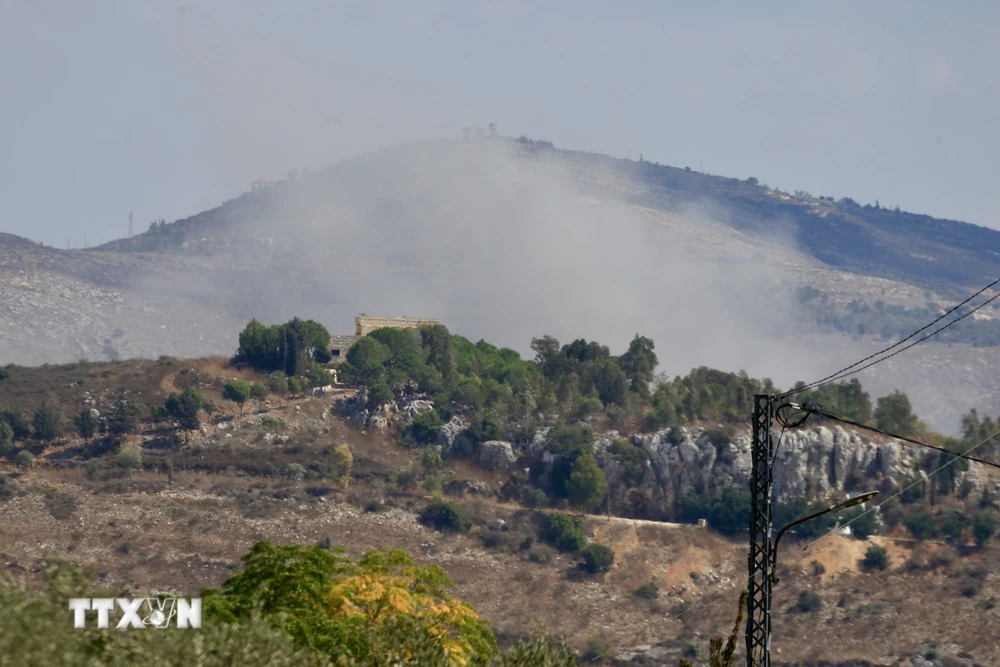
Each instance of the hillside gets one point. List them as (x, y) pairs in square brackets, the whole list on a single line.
[(527, 240), (197, 503)]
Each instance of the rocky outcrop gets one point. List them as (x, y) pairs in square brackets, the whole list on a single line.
[(496, 455), (453, 439), (819, 460)]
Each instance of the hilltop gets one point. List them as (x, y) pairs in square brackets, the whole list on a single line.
[(525, 239)]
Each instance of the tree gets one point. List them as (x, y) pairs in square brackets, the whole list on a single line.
[(258, 392), (639, 364), (437, 345), (184, 407), (20, 425), (236, 391), (278, 384), (586, 487), (123, 418), (983, 528), (289, 347), (6, 437), (379, 394), (863, 523), (610, 382), (86, 425), (48, 422), (921, 525), (342, 462), (382, 609), (893, 413)]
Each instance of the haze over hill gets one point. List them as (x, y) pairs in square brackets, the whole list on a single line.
[(507, 240)]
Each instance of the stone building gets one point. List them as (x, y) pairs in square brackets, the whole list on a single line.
[(365, 324)]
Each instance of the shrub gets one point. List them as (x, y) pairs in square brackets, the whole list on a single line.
[(445, 516), (632, 459), (647, 591), (564, 532), (864, 523), (24, 459), (809, 601), (953, 530), (535, 498), (598, 558), (921, 525), (983, 527), (541, 554), (129, 459), (7, 488), (726, 510), (293, 471), (876, 558), (425, 427), (720, 436), (598, 650), (405, 478)]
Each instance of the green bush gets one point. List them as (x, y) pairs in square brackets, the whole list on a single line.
[(597, 558), (564, 532), (864, 523), (535, 498), (983, 527), (647, 591), (425, 427), (24, 459), (922, 526), (726, 511), (445, 516), (876, 558)]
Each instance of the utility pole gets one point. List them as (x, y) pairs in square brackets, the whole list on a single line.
[(759, 557)]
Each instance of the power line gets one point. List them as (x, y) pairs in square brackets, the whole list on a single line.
[(905, 489), (836, 376), (851, 422)]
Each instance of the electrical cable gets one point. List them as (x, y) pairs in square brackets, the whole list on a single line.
[(838, 374), (904, 489)]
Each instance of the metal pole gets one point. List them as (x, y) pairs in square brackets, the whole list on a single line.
[(759, 557)]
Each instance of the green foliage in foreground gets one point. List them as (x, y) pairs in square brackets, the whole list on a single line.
[(289, 606)]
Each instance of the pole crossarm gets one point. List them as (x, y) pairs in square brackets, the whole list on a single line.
[(758, 633)]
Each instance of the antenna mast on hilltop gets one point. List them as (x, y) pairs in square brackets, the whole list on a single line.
[(130, 224)]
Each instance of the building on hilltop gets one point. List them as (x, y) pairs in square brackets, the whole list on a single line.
[(365, 324), (473, 133)]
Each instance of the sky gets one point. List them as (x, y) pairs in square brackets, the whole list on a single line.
[(170, 108)]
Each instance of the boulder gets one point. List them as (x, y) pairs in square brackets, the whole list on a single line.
[(496, 455)]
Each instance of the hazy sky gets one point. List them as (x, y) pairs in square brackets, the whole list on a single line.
[(169, 108)]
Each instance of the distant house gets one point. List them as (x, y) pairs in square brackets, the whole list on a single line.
[(339, 345), (365, 324)]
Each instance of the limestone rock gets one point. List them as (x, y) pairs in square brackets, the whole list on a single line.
[(496, 455)]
